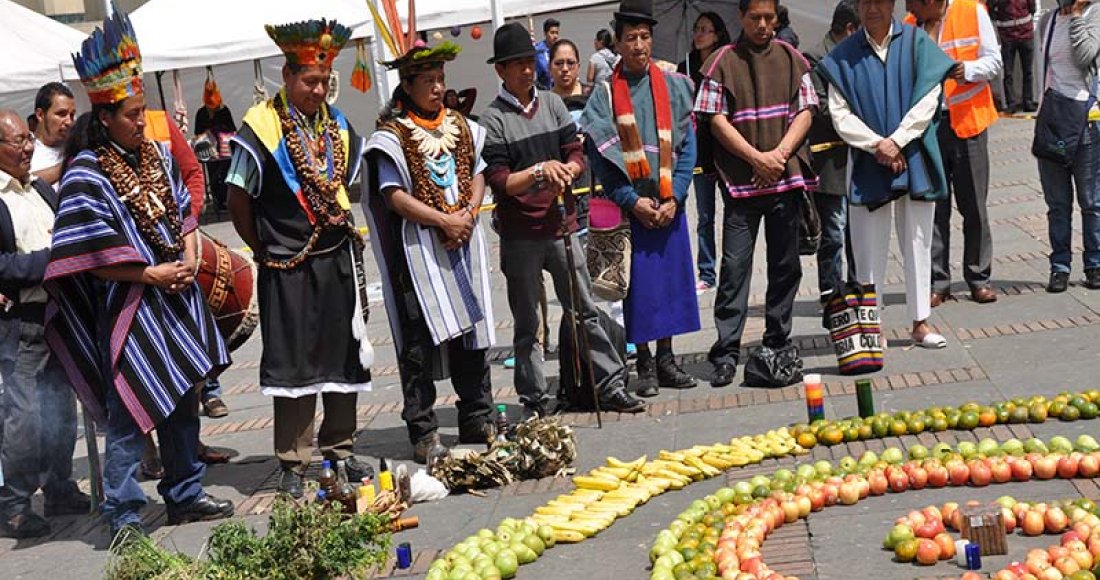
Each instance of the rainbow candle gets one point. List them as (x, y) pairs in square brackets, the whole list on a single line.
[(815, 397)]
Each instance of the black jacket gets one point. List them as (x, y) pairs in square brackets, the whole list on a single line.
[(19, 271)]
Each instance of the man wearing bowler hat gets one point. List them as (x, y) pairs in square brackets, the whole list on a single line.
[(533, 156)]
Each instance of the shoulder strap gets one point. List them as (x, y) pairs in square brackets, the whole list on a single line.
[(1050, 40)]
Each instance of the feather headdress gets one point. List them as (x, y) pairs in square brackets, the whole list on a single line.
[(109, 61), (310, 43), (412, 53)]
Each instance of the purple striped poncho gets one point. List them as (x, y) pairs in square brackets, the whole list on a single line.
[(150, 345)]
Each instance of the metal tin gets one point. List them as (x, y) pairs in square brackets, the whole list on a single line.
[(404, 555), (973, 557), (865, 398)]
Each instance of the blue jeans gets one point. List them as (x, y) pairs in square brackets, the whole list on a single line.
[(835, 247), (1059, 185), (704, 185), (179, 438), (211, 389)]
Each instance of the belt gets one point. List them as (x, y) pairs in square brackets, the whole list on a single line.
[(1012, 23), (822, 147), (30, 312)]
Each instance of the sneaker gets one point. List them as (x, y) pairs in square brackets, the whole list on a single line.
[(215, 408), (1059, 282), (290, 483), (1092, 278), (510, 362), (703, 286)]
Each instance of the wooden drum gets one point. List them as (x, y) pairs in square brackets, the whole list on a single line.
[(227, 279)]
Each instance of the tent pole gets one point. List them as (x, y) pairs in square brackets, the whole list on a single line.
[(496, 8), (160, 90)]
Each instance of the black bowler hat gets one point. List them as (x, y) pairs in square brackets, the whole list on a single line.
[(511, 41), (635, 12)]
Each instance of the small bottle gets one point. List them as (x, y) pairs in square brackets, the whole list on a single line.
[(504, 429), (385, 478), (321, 497), (865, 398), (365, 498), (346, 489), (327, 479)]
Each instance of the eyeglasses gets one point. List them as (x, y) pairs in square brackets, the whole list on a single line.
[(564, 63), (19, 143)]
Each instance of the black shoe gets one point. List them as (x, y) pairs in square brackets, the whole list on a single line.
[(532, 411), (723, 375), (290, 483), (205, 509), (1092, 278), (69, 502), (671, 376), (126, 535), (647, 390), (1059, 282), (621, 401), (477, 433), (1030, 107), (25, 524), (1012, 108), (357, 470), (428, 448)]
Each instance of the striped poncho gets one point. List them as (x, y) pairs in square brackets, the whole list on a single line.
[(150, 345)]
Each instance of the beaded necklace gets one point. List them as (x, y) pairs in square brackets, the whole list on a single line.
[(320, 164), (438, 157), (147, 195)]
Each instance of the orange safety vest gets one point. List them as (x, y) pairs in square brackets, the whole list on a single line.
[(156, 127), (970, 105)]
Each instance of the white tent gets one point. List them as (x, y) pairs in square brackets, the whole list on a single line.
[(34, 46)]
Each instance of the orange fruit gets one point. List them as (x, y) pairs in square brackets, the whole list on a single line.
[(987, 417)]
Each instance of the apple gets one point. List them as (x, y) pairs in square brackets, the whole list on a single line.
[(1083, 558), (831, 492), (790, 511), (1046, 467), (937, 476), (1055, 520), (928, 552), (980, 474), (947, 545), (899, 482), (927, 531), (805, 505), (1021, 470), (1032, 524), (1056, 552), (849, 493), (1009, 519), (817, 499), (1066, 565), (898, 534), (1067, 467), (958, 472), (1001, 471), (1089, 466), (877, 482)]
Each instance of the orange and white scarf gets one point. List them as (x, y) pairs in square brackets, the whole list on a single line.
[(634, 156)]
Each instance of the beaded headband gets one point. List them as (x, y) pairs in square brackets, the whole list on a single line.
[(310, 43), (109, 62)]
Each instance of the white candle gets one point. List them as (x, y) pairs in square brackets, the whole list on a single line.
[(960, 552)]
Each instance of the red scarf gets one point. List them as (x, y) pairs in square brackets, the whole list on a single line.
[(637, 165)]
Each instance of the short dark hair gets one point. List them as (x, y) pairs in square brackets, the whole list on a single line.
[(621, 25), (605, 38), (844, 15), (550, 23), (744, 5), (44, 98)]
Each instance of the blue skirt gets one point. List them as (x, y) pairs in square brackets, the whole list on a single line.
[(661, 301)]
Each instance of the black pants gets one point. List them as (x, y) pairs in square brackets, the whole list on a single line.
[(38, 408), (1026, 51), (415, 359), (741, 222), (966, 162)]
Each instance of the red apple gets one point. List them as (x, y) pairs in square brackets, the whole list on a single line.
[(1066, 565), (1055, 520), (1001, 472), (817, 499), (831, 492), (1056, 552), (849, 493), (1032, 524), (899, 482), (1083, 557), (947, 545), (928, 552), (1067, 467), (877, 482), (1021, 470), (937, 476), (918, 478), (1089, 466), (980, 474), (1009, 518), (1045, 467), (958, 472)]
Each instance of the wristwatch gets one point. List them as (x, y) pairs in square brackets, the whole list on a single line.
[(539, 175)]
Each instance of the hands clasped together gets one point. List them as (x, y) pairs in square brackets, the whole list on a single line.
[(654, 213), (172, 277), (888, 154)]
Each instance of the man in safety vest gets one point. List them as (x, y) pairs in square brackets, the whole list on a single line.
[(964, 31)]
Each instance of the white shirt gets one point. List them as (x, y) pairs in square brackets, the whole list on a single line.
[(1064, 75), (857, 134), (989, 63), (32, 220), (46, 157)]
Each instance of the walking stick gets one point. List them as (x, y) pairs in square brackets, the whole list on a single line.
[(579, 328), (95, 475)]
